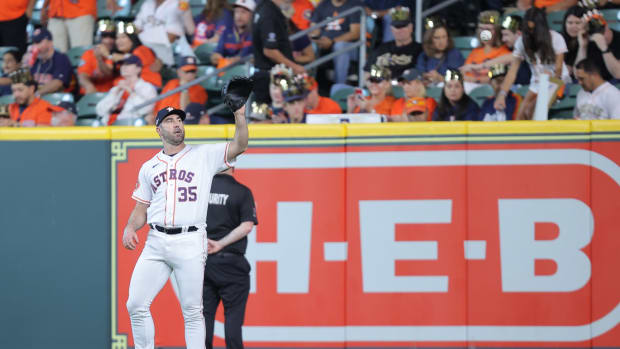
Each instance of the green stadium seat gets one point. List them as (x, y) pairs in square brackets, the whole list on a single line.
[(465, 44), (86, 106), (211, 84), (4, 49), (613, 18), (6, 99), (556, 20), (397, 91), (75, 54), (481, 93), (522, 90), (563, 108), (340, 96), (434, 92), (204, 51), (86, 122), (58, 97)]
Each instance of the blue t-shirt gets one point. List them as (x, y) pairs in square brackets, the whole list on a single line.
[(339, 26), (471, 113), (205, 29), (524, 75), (58, 67), (452, 60), (234, 44), (488, 109)]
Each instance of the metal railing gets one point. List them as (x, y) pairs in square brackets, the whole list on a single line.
[(361, 44)]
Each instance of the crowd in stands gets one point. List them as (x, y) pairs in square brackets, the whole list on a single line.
[(64, 62)]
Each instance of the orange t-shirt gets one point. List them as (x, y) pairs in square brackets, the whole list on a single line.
[(384, 107), (72, 8), (12, 9), (478, 56), (90, 67), (38, 113), (303, 12), (325, 106), (147, 57), (400, 106), (545, 3), (197, 94)]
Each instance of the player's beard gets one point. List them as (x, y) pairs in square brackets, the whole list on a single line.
[(176, 137)]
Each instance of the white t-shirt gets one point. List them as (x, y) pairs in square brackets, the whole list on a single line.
[(177, 188), (602, 103), (537, 68), (168, 15)]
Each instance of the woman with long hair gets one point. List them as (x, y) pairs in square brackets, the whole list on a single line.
[(573, 23), (212, 21), (439, 53), (455, 104), (128, 43), (543, 49)]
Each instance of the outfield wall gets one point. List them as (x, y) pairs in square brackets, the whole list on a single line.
[(421, 234)]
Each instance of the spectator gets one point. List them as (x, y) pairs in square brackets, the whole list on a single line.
[(415, 106), (573, 24), (380, 10), (196, 113), (271, 46), (602, 44), (279, 77), (14, 16), (491, 46), (380, 100), (10, 63), (71, 22), (455, 105), (128, 93), (550, 5), (28, 110), (127, 44), (401, 53), (316, 104), (294, 94), (161, 23), (211, 22), (543, 49), (439, 53), (187, 72), (338, 34), (66, 116), (299, 12), (488, 112), (598, 99), (96, 70), (52, 69), (236, 41), (5, 116)]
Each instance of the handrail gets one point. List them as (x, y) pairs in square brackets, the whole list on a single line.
[(361, 44), (419, 14)]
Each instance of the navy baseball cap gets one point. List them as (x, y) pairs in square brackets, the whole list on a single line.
[(410, 75), (187, 63), (68, 106), (40, 34), (162, 114), (133, 59), (194, 112)]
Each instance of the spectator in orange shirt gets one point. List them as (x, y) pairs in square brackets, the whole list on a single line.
[(299, 12), (127, 44), (415, 106), (380, 100), (195, 94), (71, 22), (551, 5), (28, 110), (491, 46), (316, 104), (96, 70), (14, 16)]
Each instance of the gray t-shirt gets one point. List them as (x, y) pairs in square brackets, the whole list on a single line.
[(339, 26)]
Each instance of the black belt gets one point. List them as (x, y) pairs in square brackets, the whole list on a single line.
[(225, 254), (172, 231)]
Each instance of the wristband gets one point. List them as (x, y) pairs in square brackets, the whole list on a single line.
[(503, 93), (606, 51)]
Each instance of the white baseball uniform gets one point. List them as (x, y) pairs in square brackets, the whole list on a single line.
[(176, 188)]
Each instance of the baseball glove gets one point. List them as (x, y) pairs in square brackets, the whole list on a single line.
[(237, 91)]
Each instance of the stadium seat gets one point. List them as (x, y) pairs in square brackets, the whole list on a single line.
[(434, 92), (196, 6), (87, 104), (465, 44), (135, 8), (397, 91), (58, 97), (130, 122), (556, 20), (211, 83), (204, 51), (6, 99), (4, 49), (340, 96), (522, 90), (563, 108), (481, 93), (613, 18), (75, 54), (86, 122)]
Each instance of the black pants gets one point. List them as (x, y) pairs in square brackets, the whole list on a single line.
[(261, 87), (13, 33), (227, 278)]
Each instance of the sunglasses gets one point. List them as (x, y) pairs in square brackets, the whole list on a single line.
[(191, 71), (375, 80)]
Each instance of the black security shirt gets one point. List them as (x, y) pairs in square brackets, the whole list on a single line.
[(269, 31), (230, 204)]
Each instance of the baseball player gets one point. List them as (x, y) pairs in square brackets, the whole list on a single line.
[(172, 196)]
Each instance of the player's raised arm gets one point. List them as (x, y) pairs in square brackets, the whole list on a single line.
[(236, 94), (136, 220)]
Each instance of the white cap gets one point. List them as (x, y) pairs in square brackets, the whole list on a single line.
[(249, 4)]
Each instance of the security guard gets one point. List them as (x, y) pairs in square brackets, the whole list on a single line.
[(271, 46), (230, 218)]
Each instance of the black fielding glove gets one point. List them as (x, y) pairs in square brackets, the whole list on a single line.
[(237, 91)]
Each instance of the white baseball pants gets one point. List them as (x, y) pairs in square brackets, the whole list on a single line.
[(184, 253)]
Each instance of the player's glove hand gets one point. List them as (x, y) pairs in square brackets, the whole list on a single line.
[(237, 91)]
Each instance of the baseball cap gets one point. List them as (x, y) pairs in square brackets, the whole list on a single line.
[(410, 75), (247, 4), (187, 63), (162, 114), (68, 106), (40, 34), (133, 59), (416, 104), (401, 16), (194, 111), (379, 73)]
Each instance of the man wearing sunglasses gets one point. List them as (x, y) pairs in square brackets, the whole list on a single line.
[(195, 94)]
